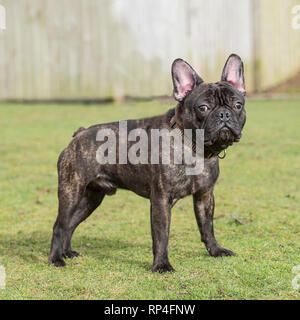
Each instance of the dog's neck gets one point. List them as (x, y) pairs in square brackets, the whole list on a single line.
[(177, 115), (176, 124)]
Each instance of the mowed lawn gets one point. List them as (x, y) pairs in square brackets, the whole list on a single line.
[(259, 185)]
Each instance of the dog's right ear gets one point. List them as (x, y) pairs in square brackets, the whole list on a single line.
[(185, 79)]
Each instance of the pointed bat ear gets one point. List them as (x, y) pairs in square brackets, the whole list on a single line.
[(233, 73), (185, 79)]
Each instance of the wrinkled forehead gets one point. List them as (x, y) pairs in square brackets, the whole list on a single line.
[(219, 93)]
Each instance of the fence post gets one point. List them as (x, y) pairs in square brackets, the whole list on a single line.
[(256, 44), (2, 18)]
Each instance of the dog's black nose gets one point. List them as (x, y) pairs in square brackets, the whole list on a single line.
[(224, 114)]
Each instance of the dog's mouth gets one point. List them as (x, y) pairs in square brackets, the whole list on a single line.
[(222, 138)]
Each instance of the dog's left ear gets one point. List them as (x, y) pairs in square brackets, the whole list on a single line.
[(233, 73), (185, 79)]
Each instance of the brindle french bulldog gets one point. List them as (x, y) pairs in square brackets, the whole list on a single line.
[(218, 108)]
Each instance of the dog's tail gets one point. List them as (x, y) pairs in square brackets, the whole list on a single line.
[(78, 131)]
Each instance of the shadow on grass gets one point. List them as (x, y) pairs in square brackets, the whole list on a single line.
[(34, 248)]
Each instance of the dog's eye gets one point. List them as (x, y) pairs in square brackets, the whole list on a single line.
[(203, 108), (237, 106)]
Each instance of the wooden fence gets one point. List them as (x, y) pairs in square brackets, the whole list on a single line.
[(97, 49)]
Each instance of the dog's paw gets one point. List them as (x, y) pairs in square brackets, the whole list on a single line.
[(71, 254), (220, 252), (57, 263), (162, 267)]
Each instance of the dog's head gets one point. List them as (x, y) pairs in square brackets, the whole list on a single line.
[(218, 108)]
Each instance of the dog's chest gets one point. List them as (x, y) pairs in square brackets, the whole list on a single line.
[(179, 184)]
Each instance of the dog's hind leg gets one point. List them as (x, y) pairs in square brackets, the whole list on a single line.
[(91, 199), (69, 196)]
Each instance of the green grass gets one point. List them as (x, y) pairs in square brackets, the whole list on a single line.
[(259, 184)]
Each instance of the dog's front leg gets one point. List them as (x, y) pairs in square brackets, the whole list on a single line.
[(204, 206), (160, 228)]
